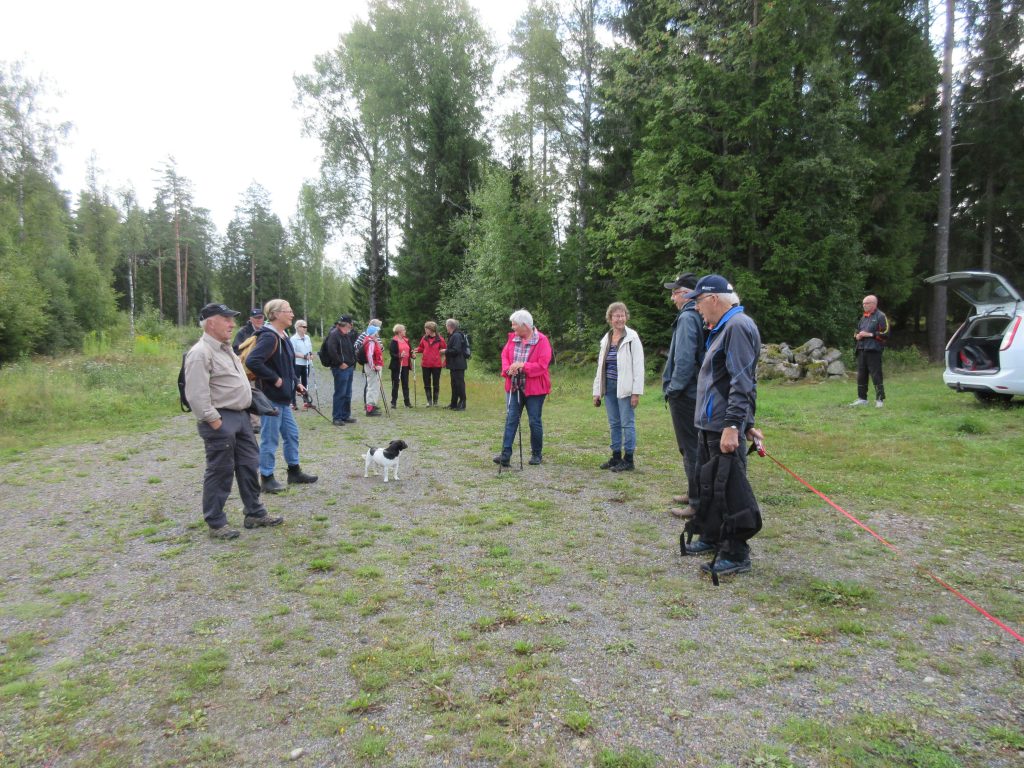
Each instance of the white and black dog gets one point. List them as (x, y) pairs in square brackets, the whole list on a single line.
[(385, 457)]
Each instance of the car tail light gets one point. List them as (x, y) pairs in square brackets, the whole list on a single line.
[(1009, 337)]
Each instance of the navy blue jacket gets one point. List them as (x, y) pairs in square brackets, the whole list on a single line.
[(270, 365), (727, 384), (685, 354)]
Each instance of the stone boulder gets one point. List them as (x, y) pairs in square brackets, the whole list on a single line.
[(812, 359)]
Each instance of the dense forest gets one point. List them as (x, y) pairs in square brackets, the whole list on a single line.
[(810, 151)]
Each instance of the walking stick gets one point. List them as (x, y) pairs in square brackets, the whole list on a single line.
[(383, 397), (519, 427), (415, 399)]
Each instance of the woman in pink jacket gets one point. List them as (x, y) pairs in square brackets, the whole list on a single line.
[(524, 364)]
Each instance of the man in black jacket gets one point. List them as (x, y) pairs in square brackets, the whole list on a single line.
[(455, 360), (871, 334), (256, 320), (342, 353), (273, 362)]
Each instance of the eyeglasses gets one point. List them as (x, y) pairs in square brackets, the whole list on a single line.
[(700, 298)]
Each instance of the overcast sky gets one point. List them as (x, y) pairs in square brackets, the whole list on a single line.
[(207, 82)]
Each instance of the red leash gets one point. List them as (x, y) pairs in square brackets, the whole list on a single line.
[(762, 452)]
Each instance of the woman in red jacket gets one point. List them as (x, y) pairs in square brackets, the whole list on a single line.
[(524, 364), (429, 349)]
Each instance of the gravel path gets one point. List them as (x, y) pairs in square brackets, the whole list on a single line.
[(458, 617)]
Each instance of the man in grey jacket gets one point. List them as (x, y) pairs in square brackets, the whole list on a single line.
[(219, 392), (726, 397), (679, 386)]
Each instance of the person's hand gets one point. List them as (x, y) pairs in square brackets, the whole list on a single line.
[(216, 424), (634, 401), (756, 437), (597, 401), (279, 382), (300, 389), (730, 440)]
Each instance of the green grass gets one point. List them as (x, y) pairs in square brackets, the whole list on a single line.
[(535, 619)]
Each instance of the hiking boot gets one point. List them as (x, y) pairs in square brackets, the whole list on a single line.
[(614, 461), (339, 422), (349, 421), (534, 460), (374, 411), (683, 513), (626, 465), (879, 403), (503, 460), (700, 547), (264, 521), (859, 401), (269, 485), (684, 499), (408, 404), (224, 533), (724, 567), (394, 403), (297, 476)]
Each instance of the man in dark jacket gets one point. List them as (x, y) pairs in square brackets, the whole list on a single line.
[(726, 398), (871, 335), (273, 362), (679, 385), (256, 320), (456, 361), (342, 354)]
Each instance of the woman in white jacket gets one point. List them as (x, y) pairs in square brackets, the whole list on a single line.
[(620, 381)]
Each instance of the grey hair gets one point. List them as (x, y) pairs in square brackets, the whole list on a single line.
[(730, 299), (521, 317), (452, 324), (202, 323)]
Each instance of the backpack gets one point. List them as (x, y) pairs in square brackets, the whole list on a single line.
[(360, 348), (245, 349), (728, 509), (325, 354), (185, 407), (467, 352)]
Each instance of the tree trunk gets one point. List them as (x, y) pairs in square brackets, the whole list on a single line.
[(937, 318), (131, 296), (160, 281), (986, 225), (177, 267)]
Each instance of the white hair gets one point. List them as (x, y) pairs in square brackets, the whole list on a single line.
[(521, 317), (202, 323), (730, 299)]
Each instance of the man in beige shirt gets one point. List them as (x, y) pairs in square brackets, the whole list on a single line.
[(219, 392)]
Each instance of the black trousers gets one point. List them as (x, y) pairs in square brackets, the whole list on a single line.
[(458, 388), (302, 373), (869, 362), (231, 453), (399, 376), (432, 383), (708, 447), (682, 408)]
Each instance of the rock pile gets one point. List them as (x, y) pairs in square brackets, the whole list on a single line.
[(810, 360)]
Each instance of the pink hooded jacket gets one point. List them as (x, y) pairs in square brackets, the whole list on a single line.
[(538, 378)]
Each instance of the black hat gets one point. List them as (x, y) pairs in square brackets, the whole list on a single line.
[(685, 280), (256, 312), (217, 309), (343, 320)]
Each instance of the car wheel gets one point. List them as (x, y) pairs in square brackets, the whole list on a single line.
[(992, 397)]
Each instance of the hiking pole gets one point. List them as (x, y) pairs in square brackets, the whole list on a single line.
[(508, 412), (519, 426), (383, 397), (415, 399)]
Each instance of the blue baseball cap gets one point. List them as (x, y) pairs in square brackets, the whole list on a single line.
[(256, 312), (710, 284)]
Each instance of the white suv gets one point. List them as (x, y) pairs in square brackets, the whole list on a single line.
[(986, 354)]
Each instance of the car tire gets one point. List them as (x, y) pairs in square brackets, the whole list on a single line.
[(992, 397)]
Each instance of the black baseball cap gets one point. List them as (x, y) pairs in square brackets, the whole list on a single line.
[(217, 309), (343, 320), (256, 312), (685, 280)]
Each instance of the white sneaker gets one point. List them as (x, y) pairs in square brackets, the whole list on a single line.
[(879, 403), (859, 401)]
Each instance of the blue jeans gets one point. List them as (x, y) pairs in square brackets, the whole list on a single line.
[(534, 405), (621, 419), (271, 429), (342, 405)]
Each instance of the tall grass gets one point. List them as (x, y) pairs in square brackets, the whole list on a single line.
[(115, 386)]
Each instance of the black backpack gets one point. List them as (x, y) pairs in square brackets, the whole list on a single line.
[(185, 407), (728, 509), (325, 354)]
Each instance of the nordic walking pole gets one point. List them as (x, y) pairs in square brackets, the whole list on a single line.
[(415, 399), (519, 426), (383, 397)]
